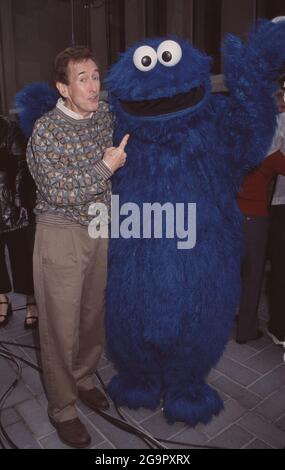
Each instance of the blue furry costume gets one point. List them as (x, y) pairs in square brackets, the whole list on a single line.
[(170, 311)]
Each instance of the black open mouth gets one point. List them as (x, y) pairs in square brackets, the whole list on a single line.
[(165, 105)]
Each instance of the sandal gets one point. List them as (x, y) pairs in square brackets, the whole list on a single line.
[(34, 319), (7, 314)]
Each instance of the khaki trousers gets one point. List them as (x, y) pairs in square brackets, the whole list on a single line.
[(70, 279)]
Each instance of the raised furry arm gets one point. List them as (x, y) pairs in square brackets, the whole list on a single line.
[(251, 73)]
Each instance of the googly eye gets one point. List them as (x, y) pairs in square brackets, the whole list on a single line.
[(145, 58), (169, 53)]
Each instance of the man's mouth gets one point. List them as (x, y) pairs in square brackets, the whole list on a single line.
[(167, 105)]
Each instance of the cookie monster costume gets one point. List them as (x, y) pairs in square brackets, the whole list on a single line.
[(170, 311)]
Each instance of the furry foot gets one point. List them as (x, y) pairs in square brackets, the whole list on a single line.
[(126, 391), (197, 405)]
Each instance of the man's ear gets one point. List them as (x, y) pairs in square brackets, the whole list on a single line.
[(62, 88)]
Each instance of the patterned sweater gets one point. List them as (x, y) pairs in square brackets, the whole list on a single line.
[(65, 159)]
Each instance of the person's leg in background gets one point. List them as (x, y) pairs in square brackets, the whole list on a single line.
[(31, 320), (276, 278), (21, 262), (256, 235), (5, 285)]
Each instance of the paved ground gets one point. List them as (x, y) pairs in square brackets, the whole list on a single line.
[(250, 378)]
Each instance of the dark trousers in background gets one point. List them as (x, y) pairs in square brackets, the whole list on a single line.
[(255, 236), (276, 279), (20, 249)]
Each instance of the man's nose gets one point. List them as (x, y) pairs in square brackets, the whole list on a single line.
[(94, 86)]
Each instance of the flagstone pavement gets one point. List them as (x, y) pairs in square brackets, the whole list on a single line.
[(250, 379)]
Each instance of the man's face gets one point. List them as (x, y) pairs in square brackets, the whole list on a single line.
[(82, 92)]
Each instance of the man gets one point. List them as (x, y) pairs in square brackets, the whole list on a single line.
[(71, 160)]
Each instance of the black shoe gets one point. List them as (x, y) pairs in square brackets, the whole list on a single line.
[(244, 341)]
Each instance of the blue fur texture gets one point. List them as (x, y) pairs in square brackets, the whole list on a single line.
[(169, 311), (33, 101)]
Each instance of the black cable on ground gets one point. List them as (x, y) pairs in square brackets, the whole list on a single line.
[(10, 343), (22, 307), (125, 426), (123, 418), (6, 355), (118, 411), (122, 423), (29, 363)]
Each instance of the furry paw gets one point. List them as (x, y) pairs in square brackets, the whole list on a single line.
[(198, 405), (134, 394)]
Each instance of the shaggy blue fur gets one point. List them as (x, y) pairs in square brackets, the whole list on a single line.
[(33, 101), (170, 311)]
